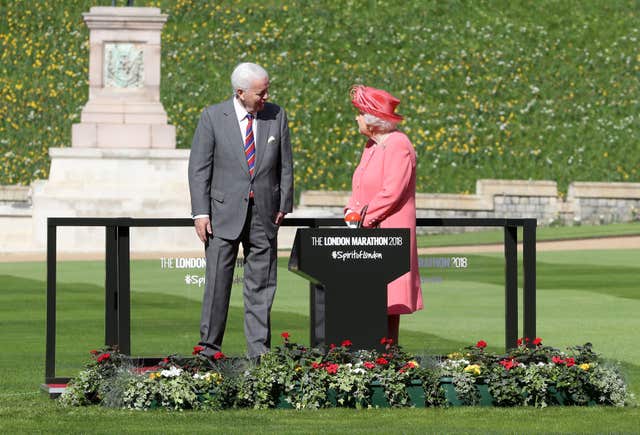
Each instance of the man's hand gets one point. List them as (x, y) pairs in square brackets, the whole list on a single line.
[(203, 228), (279, 218)]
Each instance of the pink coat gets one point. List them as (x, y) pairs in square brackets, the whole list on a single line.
[(385, 180)]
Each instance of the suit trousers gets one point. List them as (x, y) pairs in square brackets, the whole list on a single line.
[(260, 268)]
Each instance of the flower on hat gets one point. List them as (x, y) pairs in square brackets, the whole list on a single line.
[(375, 102)]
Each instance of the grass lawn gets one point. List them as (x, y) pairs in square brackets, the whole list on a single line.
[(582, 296)]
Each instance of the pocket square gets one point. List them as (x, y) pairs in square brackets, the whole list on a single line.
[(271, 139)]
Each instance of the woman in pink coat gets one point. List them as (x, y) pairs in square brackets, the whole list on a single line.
[(385, 182)]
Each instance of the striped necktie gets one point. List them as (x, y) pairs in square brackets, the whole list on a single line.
[(250, 145)]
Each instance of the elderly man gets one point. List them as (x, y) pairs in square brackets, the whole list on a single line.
[(241, 184)]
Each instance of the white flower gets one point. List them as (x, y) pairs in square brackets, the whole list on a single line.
[(171, 373), (205, 376)]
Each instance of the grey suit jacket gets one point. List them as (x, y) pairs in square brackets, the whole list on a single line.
[(219, 180)]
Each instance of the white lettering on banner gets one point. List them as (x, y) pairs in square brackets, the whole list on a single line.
[(372, 241), (200, 280), (356, 255), (359, 241), (444, 262), (337, 241), (189, 263), (194, 280), (182, 263)]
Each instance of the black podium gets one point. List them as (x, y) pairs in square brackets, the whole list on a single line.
[(349, 270)]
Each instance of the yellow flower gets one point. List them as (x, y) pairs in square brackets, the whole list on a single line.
[(585, 366), (455, 355), (473, 369)]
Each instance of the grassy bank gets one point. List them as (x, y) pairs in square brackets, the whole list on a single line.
[(540, 90)]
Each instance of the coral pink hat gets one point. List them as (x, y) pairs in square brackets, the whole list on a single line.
[(375, 102)]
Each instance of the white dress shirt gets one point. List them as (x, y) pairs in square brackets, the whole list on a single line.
[(241, 114)]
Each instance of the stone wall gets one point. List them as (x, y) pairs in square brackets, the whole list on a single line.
[(16, 229), (585, 203), (605, 202)]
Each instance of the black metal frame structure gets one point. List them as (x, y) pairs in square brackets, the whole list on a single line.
[(118, 284)]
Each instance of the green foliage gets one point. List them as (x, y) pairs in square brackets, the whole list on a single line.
[(542, 90), (92, 385), (291, 374), (294, 376), (533, 374)]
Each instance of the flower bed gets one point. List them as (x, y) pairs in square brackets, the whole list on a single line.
[(294, 376)]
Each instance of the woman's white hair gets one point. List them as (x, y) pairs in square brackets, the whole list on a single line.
[(245, 74), (380, 125)]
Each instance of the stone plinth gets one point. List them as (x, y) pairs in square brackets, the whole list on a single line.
[(138, 183), (124, 108)]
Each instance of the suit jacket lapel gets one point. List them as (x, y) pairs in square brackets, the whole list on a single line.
[(261, 140), (234, 136)]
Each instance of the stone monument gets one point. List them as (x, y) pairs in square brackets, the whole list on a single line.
[(124, 108), (123, 160)]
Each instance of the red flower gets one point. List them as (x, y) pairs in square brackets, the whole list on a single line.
[(537, 341), (509, 363), (346, 343), (285, 335), (103, 357), (369, 365), (382, 361), (387, 341), (519, 342), (408, 366), (197, 350), (557, 360), (481, 344), (570, 362), (219, 355), (332, 346), (527, 339), (94, 352), (166, 360), (317, 365), (332, 369)]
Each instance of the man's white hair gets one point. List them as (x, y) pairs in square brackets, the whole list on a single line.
[(245, 74), (381, 125)]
